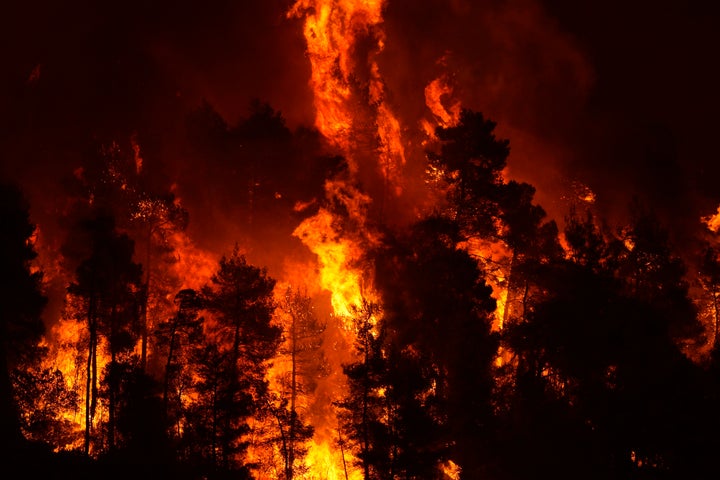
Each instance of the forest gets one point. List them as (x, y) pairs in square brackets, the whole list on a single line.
[(597, 362)]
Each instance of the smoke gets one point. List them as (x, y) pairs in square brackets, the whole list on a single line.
[(646, 130), (605, 96), (509, 60), (610, 96)]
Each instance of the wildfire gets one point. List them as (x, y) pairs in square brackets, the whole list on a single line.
[(333, 29), (712, 221), (437, 93), (344, 109), (331, 464), (336, 256), (192, 264), (340, 274), (494, 256)]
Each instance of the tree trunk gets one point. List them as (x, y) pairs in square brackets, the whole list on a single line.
[(168, 364), (90, 372), (293, 396), (511, 281), (365, 401), (286, 458), (112, 381), (146, 302)]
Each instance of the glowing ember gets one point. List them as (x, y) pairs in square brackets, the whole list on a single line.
[(712, 221)]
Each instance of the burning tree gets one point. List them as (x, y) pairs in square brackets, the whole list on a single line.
[(114, 179), (299, 366), (105, 296), (179, 336), (232, 365)]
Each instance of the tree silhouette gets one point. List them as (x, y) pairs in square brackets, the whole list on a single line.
[(597, 355), (470, 161), (240, 301), (157, 217), (363, 406), (21, 304), (655, 274), (107, 284), (302, 348), (438, 349), (179, 335)]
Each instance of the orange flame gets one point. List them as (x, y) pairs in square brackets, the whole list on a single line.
[(332, 30), (336, 256), (192, 264), (437, 92), (494, 259), (712, 222)]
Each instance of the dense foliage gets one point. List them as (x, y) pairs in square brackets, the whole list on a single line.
[(592, 374)]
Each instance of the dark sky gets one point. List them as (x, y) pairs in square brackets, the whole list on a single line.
[(652, 114), (621, 96)]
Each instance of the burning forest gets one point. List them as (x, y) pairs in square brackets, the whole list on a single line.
[(351, 240)]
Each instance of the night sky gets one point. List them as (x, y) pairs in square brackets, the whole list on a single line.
[(621, 96)]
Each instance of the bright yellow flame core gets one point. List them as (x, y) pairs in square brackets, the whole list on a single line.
[(328, 463), (336, 256), (65, 357)]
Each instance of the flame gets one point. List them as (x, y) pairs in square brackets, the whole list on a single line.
[(436, 92), (332, 30), (451, 471), (62, 340), (330, 464), (712, 222), (192, 265), (336, 256), (494, 259), (344, 108)]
